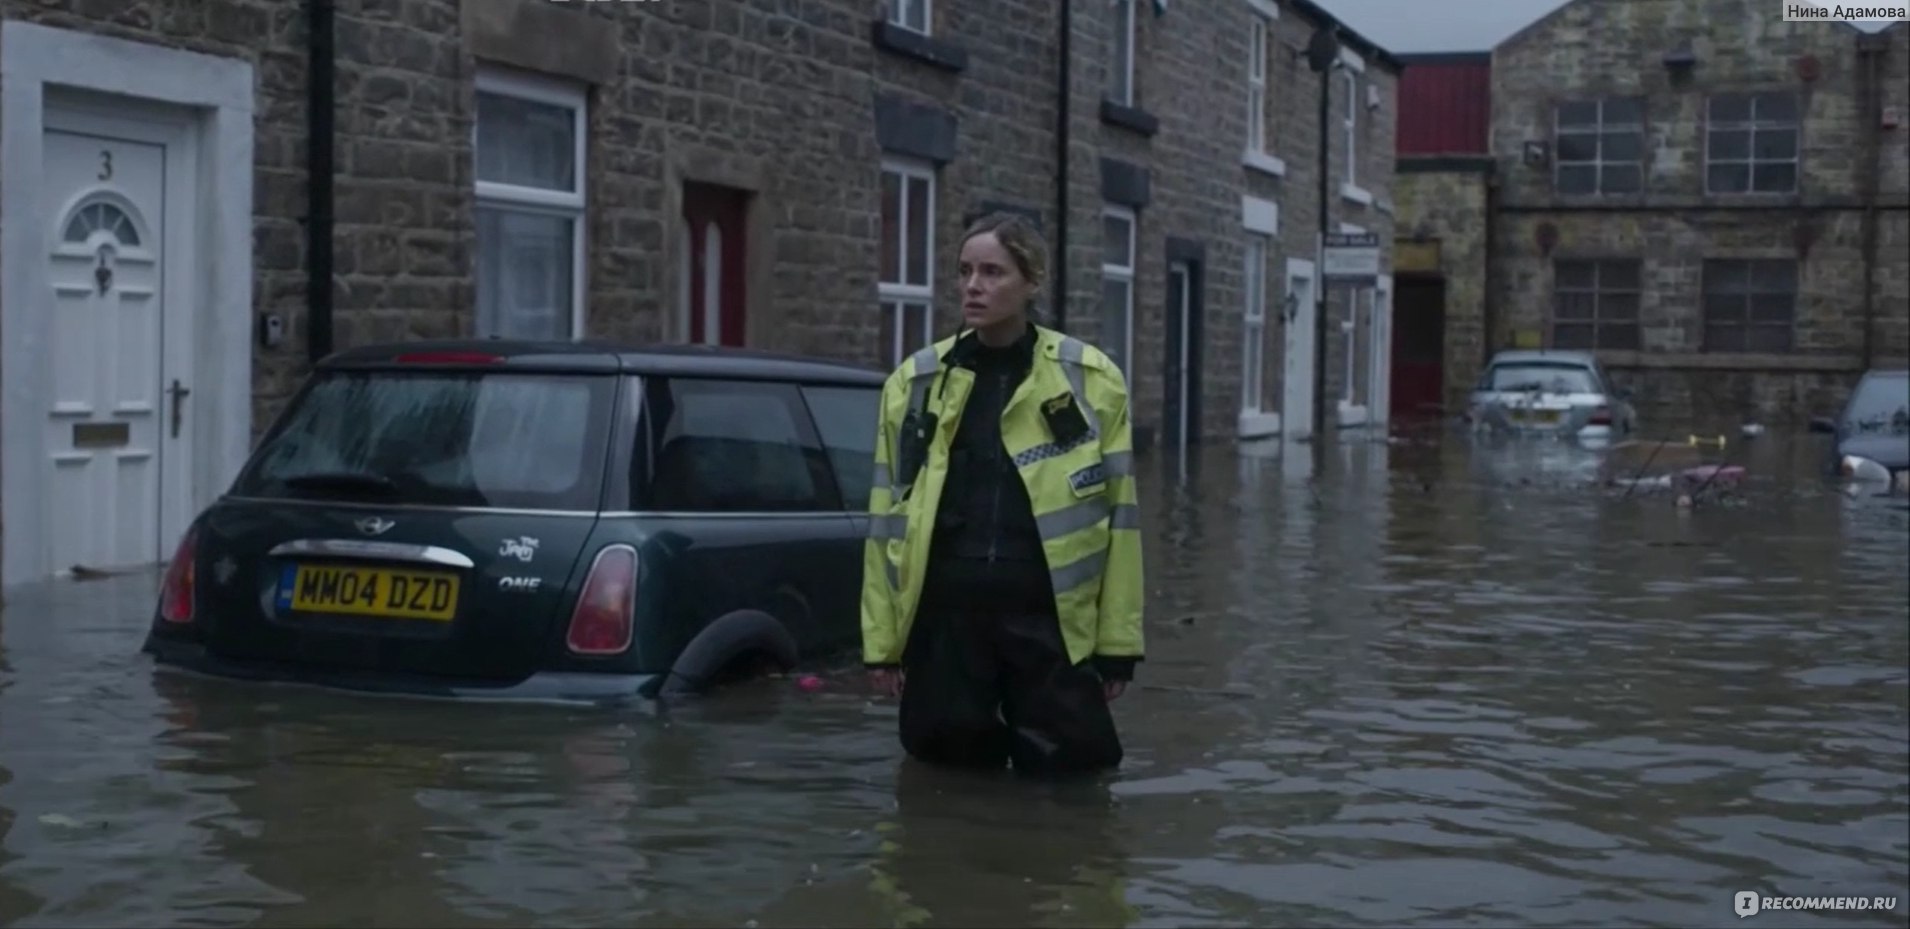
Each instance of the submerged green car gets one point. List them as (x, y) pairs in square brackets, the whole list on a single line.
[(536, 521)]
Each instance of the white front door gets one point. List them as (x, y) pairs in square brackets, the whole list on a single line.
[(1296, 380), (117, 395), (1379, 367)]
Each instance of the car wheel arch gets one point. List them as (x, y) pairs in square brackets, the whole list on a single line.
[(724, 641)]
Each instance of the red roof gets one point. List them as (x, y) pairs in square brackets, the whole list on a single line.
[(1445, 105)]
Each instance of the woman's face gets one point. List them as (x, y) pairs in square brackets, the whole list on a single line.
[(993, 287)]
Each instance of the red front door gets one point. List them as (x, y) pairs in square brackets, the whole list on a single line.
[(714, 219), (1419, 347)]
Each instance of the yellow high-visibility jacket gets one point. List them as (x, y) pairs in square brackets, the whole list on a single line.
[(1083, 494)]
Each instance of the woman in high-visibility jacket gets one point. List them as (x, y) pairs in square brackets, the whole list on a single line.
[(1001, 590)]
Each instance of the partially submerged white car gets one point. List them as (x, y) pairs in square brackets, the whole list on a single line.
[(1542, 391)]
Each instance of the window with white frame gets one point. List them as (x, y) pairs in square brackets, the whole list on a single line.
[(910, 14), (1351, 124), (1117, 285), (1750, 143), (1599, 146), (529, 141), (1257, 56), (1253, 328), (1121, 52), (907, 285)]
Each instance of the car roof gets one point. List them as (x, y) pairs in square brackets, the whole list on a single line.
[(1521, 355), (602, 356)]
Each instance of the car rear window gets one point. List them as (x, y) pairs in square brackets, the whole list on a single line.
[(1880, 403), (507, 440), (1545, 378)]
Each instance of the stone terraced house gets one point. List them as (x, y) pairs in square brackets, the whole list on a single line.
[(782, 174), (1714, 200)]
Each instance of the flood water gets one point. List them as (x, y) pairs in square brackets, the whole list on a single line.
[(1412, 685)]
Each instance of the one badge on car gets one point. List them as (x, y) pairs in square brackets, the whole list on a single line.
[(525, 585)]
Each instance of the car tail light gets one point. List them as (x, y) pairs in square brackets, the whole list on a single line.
[(448, 358), (602, 623), (176, 596), (1602, 416)]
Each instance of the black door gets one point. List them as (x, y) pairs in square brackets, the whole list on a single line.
[(1181, 417)]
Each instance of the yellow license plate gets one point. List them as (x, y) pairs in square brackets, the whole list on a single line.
[(1539, 416), (360, 591)]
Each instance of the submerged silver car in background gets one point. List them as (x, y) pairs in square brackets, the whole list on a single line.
[(1541, 391)]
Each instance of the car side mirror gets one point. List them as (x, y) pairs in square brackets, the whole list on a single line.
[(1822, 424)]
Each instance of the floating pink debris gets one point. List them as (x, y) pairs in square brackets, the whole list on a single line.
[(809, 683)]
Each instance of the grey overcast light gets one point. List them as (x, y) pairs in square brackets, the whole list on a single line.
[(1438, 25), (1410, 26)]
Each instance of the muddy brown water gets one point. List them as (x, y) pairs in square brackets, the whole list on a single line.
[(1436, 685)]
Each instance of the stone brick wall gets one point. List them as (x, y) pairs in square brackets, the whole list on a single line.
[(1673, 224), (781, 98), (1446, 205)]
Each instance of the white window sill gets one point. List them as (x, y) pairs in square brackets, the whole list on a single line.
[(1352, 414), (1258, 425), (1384, 206), (1264, 163), (1357, 194)]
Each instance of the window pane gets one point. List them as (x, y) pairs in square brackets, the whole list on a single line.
[(1774, 276), (1577, 146), (1623, 111), (889, 321), (1574, 275), (1618, 275), (1775, 108), (845, 418), (1116, 240), (915, 14), (1620, 179), (1723, 337), (526, 143), (1253, 286), (1114, 320), (524, 285), (1726, 179), (1730, 144), (919, 230), (1621, 337), (497, 440), (1774, 178), (1772, 308), (1723, 308), (731, 447), (1619, 146), (1617, 307), (916, 333), (1572, 335), (1253, 340), (1577, 179), (891, 227), (1580, 113), (1730, 108), (1574, 305), (1768, 339), (1778, 144)]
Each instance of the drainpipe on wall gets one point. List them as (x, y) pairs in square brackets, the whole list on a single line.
[(1489, 301), (1063, 116), (320, 101), (1870, 50), (1323, 53)]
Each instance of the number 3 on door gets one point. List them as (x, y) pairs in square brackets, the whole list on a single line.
[(106, 164)]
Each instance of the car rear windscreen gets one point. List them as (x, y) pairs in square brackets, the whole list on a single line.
[(1880, 404), (1544, 378), (520, 441)]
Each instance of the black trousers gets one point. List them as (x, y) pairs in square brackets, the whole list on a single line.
[(989, 687)]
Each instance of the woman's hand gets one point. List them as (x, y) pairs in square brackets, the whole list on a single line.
[(1113, 689), (887, 681)]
